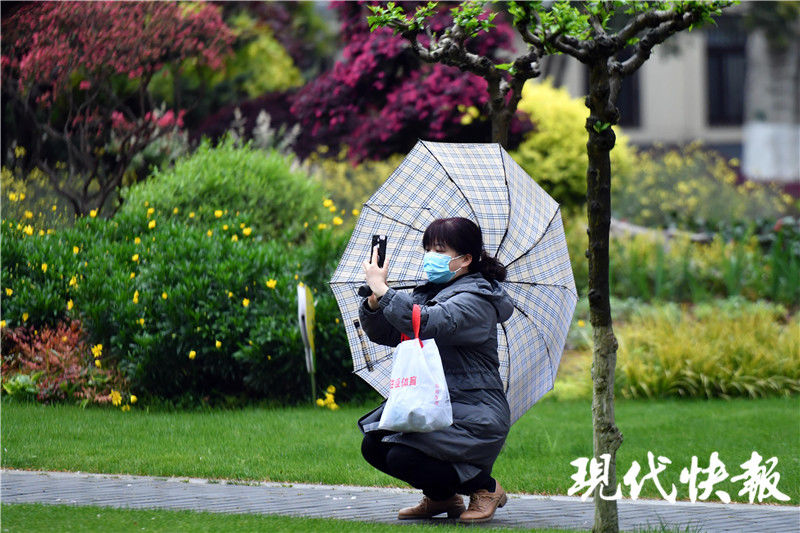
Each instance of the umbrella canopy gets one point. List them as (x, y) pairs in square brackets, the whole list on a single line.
[(521, 226)]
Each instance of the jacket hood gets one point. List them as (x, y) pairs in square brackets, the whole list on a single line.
[(475, 283)]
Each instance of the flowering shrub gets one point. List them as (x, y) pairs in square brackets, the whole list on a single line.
[(261, 188), (554, 154), (194, 312), (692, 188), (55, 364), (379, 99)]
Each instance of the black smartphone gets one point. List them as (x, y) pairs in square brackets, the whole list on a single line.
[(380, 240)]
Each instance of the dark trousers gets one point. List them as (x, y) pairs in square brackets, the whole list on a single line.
[(437, 479)]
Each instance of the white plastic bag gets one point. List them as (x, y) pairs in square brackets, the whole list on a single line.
[(418, 397)]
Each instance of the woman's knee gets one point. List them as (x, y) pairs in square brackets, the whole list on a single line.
[(374, 451)]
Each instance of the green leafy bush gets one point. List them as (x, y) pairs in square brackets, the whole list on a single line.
[(554, 154), (186, 313), (262, 187)]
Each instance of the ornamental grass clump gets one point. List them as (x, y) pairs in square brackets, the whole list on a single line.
[(715, 350)]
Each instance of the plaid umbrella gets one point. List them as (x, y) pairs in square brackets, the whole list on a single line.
[(521, 226)]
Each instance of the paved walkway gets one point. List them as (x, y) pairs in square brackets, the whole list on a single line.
[(373, 504)]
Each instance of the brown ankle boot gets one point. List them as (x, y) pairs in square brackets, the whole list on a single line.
[(428, 508), (483, 504)]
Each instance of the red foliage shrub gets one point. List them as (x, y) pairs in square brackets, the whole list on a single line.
[(59, 362)]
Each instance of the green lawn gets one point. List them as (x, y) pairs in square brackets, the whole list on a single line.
[(34, 518), (321, 446)]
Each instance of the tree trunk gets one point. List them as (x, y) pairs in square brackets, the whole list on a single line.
[(501, 122), (606, 436)]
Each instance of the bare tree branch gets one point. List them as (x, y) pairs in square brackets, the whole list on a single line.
[(656, 36)]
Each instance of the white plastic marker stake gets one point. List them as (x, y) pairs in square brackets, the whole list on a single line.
[(305, 316)]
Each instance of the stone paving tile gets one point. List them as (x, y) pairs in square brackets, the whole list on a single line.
[(374, 504)]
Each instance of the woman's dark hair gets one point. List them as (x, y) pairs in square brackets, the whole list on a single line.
[(465, 237)]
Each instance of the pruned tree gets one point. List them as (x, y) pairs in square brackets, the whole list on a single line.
[(596, 34), (79, 74)]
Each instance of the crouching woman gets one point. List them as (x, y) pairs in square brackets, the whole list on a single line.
[(461, 305)]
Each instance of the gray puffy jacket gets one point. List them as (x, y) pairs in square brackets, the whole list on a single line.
[(462, 317)]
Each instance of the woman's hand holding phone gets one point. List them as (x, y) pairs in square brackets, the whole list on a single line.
[(376, 277)]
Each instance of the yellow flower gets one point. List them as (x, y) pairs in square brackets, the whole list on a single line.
[(28, 214), (141, 321), (133, 275), (97, 363), (12, 196), (234, 237), (333, 407), (218, 344), (126, 408), (247, 231), (305, 224), (73, 281), (54, 207), (150, 212), (70, 305), (466, 120), (24, 317), (241, 225), (93, 213), (21, 196), (331, 389), (75, 249), (152, 224), (9, 292), (332, 209), (218, 213), (271, 283), (296, 276), (137, 240), (192, 354), (44, 267), (135, 258), (230, 294), (337, 320), (209, 233), (224, 227), (133, 398), (581, 323), (174, 210), (246, 302), (136, 297), (337, 221), (163, 295), (191, 215), (146, 203), (320, 402), (19, 151), (328, 202), (97, 350), (2, 323), (322, 226), (28, 230), (116, 397)]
